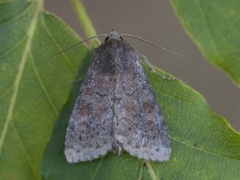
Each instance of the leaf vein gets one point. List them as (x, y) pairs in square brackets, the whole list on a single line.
[(42, 86), (16, 84), (58, 46)]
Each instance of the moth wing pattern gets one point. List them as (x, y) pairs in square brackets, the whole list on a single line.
[(89, 132), (116, 109), (138, 123)]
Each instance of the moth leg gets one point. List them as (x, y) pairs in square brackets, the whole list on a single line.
[(145, 60)]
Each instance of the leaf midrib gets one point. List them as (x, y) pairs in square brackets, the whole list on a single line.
[(16, 84)]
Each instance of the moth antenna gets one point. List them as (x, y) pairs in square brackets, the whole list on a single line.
[(152, 43), (75, 44)]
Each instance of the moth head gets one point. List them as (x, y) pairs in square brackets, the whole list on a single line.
[(113, 35)]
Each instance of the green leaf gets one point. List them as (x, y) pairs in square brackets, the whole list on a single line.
[(203, 143), (214, 27), (35, 91), (33, 88)]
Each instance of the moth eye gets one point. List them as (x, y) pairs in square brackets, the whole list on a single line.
[(107, 38), (120, 37)]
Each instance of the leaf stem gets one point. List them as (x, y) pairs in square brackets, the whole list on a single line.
[(85, 22), (151, 171)]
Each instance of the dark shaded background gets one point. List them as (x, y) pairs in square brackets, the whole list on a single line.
[(157, 22)]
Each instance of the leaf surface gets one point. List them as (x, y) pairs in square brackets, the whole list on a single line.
[(214, 27), (33, 88)]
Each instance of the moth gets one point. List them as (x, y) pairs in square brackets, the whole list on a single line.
[(116, 108)]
